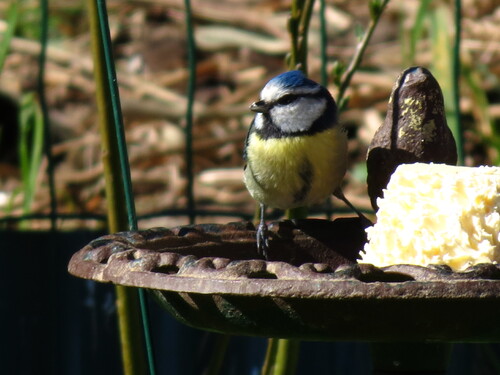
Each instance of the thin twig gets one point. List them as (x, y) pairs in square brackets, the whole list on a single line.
[(356, 60)]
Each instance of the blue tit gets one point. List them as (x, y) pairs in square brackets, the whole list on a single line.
[(295, 151)]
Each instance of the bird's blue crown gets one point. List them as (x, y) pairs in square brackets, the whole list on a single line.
[(291, 79)]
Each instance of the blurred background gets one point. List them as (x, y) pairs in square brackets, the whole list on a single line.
[(240, 44)]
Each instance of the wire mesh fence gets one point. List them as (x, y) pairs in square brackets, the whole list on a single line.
[(191, 170)]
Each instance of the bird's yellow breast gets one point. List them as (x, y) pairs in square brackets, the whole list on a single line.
[(297, 171)]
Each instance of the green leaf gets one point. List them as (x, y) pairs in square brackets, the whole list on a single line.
[(12, 18), (416, 31), (338, 71), (359, 32), (442, 57), (30, 145)]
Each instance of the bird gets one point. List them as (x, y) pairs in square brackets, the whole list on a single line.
[(295, 151)]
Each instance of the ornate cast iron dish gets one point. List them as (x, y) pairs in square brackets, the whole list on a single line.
[(311, 289)]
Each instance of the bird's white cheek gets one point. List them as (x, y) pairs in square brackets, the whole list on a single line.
[(259, 121), (299, 115)]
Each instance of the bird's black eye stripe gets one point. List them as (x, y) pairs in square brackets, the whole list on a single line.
[(287, 99)]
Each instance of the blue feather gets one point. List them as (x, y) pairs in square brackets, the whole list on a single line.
[(293, 78)]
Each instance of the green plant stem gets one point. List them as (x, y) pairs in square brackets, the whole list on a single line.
[(324, 43), (270, 358), (126, 180), (304, 33), (293, 30), (416, 31), (281, 357), (47, 134), (458, 133), (115, 192), (219, 352), (12, 18), (191, 48), (129, 323), (287, 357), (46, 143), (129, 315), (358, 56), (298, 27), (30, 146), (446, 69)]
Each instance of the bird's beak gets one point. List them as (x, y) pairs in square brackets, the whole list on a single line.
[(260, 106)]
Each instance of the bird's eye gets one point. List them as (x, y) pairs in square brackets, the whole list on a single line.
[(287, 99)]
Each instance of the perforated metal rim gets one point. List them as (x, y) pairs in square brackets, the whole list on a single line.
[(165, 259)]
